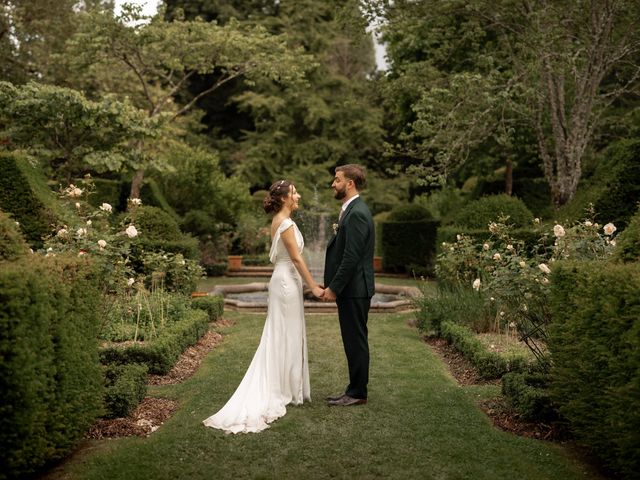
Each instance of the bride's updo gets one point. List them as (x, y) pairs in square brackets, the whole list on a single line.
[(272, 203)]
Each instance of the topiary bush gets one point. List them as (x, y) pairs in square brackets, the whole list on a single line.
[(12, 244), (50, 379), (628, 242), (156, 224), (621, 193), (408, 240), (19, 199), (125, 388), (529, 395), (479, 213), (213, 305), (595, 346)]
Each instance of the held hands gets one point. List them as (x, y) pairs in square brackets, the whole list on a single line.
[(328, 295), (317, 291)]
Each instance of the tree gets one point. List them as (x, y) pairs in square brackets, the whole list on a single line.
[(162, 56), (561, 65), (61, 127)]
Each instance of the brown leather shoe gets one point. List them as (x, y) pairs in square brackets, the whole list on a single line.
[(334, 397), (346, 401)]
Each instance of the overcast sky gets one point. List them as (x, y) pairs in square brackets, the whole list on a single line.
[(150, 7)]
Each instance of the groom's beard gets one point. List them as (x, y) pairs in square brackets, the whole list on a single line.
[(340, 194)]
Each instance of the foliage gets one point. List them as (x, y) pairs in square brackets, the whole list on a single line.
[(528, 394), (479, 213), (213, 305), (596, 358), (516, 278), (12, 243), (628, 242), (125, 388), (489, 364), (442, 203), (50, 380), (60, 126), (19, 198), (460, 305), (160, 354), (155, 223), (252, 235), (409, 243)]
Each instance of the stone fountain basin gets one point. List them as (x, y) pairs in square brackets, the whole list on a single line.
[(388, 298)]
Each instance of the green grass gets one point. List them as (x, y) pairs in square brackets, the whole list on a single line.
[(418, 424)]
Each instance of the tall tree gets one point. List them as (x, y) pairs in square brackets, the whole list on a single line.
[(162, 56)]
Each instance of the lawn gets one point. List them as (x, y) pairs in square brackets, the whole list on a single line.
[(418, 423)]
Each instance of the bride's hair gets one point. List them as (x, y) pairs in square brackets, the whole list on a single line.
[(272, 203)]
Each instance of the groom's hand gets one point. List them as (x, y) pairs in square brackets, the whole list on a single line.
[(329, 296)]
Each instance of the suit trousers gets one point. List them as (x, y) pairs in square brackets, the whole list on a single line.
[(353, 314)]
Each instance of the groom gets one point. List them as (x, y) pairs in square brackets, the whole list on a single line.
[(349, 279)]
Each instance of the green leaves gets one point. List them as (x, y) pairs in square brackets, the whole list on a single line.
[(59, 124)]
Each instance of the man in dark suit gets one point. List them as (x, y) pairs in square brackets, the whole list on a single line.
[(349, 279)]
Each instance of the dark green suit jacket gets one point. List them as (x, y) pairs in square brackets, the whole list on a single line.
[(348, 268)]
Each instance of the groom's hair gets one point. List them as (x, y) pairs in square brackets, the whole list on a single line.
[(353, 172)]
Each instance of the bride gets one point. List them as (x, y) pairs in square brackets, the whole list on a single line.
[(279, 372)]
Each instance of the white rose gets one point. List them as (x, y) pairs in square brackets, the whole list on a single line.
[(458, 237), (81, 232), (62, 232), (89, 222), (105, 207), (130, 282), (476, 284), (131, 231), (493, 227), (544, 268), (609, 228), (588, 224), (135, 201), (49, 250), (485, 246), (536, 221), (545, 280), (523, 264), (558, 231), (497, 256), (73, 191), (612, 242), (102, 243), (510, 247), (77, 205)]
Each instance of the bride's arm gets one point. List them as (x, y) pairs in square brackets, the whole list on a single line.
[(289, 239)]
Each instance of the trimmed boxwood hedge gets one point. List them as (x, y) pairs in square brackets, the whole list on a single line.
[(213, 305), (478, 213), (595, 346), (126, 386), (161, 354), (529, 395), (489, 364), (628, 248), (408, 240), (12, 243), (50, 378)]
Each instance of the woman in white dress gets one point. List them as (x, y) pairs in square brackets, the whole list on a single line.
[(279, 372)]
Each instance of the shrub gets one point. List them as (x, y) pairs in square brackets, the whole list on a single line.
[(460, 305), (628, 248), (12, 244), (408, 239), (156, 224), (595, 346), (621, 167), (50, 379), (528, 394), (125, 388), (489, 364), (479, 213), (18, 198), (213, 305), (162, 353)]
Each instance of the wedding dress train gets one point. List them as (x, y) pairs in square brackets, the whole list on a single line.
[(279, 372)]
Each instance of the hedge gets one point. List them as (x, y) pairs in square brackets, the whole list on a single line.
[(161, 354), (529, 395), (12, 244), (628, 247), (126, 386), (489, 364), (478, 213), (595, 346), (50, 379), (213, 305), (19, 199)]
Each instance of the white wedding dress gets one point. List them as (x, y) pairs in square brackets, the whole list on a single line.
[(279, 372)]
